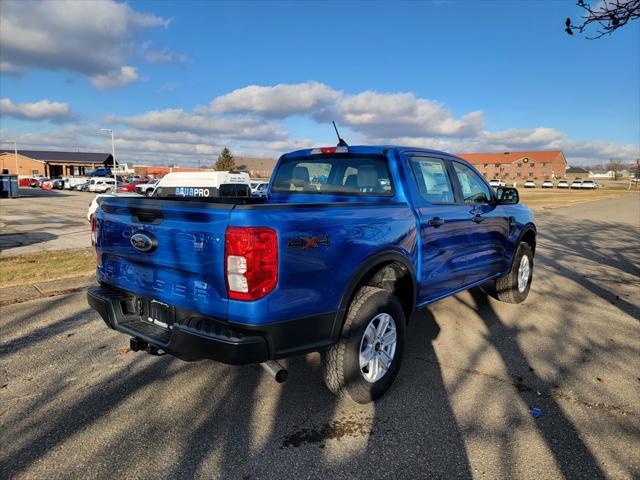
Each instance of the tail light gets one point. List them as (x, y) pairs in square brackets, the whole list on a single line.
[(93, 231), (251, 262), (94, 237)]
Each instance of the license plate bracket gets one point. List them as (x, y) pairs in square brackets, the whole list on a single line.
[(160, 314)]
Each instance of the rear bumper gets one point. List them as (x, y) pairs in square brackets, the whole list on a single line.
[(196, 337)]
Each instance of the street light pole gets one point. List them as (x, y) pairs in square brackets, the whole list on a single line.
[(113, 154)]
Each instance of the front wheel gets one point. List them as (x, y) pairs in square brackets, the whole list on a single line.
[(364, 363), (514, 286)]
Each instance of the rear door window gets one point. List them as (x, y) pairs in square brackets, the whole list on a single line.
[(432, 179), (339, 175)]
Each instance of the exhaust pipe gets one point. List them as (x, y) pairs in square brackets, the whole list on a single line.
[(276, 370)]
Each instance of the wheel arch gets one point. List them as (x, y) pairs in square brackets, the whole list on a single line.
[(528, 235), (392, 271)]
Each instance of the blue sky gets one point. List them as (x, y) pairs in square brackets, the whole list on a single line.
[(459, 76)]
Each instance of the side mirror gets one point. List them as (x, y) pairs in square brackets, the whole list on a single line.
[(507, 196)]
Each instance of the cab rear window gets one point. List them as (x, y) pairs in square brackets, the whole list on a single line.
[(334, 175)]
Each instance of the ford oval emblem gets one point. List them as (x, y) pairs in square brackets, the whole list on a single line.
[(144, 242)]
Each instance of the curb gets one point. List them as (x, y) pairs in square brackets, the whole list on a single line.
[(51, 288)]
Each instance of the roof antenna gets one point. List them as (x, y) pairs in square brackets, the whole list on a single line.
[(341, 142)]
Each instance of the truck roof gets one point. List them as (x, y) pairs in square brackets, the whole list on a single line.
[(369, 149)]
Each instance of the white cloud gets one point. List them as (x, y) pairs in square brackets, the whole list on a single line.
[(391, 114), (370, 113), (279, 101), (163, 56), (42, 110), (177, 120), (115, 79), (248, 127), (90, 38)]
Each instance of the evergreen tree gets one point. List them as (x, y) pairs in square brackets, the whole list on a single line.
[(225, 161)]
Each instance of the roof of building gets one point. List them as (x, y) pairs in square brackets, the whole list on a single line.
[(68, 157), (577, 170), (510, 157)]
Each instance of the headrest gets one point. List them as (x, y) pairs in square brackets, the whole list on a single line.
[(367, 176), (300, 176), (351, 181)]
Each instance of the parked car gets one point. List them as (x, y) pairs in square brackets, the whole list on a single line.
[(562, 184), (547, 184), (529, 184), (58, 184), (336, 267), (81, 187), (130, 185), (589, 185), (100, 172), (97, 200), (496, 182), (576, 184), (147, 188), (36, 182), (106, 185)]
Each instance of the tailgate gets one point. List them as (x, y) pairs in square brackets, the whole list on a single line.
[(169, 251)]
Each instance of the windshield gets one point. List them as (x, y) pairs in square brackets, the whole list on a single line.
[(334, 175)]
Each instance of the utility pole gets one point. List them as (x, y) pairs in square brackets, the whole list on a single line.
[(113, 154)]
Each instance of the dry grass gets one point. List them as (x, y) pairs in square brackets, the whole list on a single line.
[(539, 199), (41, 267)]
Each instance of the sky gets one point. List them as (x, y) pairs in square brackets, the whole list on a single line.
[(178, 81)]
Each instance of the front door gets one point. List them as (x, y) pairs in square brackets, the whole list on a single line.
[(488, 227)]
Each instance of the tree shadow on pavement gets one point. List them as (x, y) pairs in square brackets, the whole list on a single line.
[(572, 456)]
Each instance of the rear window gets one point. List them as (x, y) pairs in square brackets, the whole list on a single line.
[(339, 175)]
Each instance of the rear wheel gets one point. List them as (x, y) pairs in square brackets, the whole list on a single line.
[(364, 363), (514, 286)]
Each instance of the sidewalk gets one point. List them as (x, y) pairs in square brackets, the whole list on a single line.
[(49, 288)]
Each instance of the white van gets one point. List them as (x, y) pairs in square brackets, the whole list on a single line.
[(202, 184), (102, 184), (71, 182)]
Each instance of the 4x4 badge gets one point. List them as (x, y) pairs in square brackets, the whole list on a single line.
[(308, 242)]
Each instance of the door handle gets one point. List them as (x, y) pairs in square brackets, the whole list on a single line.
[(436, 222), (477, 218)]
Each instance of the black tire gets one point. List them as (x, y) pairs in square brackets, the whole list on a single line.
[(507, 286), (148, 193), (341, 365)]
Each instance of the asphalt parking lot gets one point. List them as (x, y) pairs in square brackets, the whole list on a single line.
[(74, 403), (43, 220)]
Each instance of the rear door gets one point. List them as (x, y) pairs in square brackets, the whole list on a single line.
[(488, 226), (443, 228)]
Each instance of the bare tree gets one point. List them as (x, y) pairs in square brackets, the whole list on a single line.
[(609, 15), (615, 166)]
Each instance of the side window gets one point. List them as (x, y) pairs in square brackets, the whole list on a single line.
[(433, 180), (474, 190)]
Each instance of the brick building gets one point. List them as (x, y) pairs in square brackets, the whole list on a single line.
[(51, 163), (514, 166)]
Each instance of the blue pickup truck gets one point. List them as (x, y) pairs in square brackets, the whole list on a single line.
[(348, 242)]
